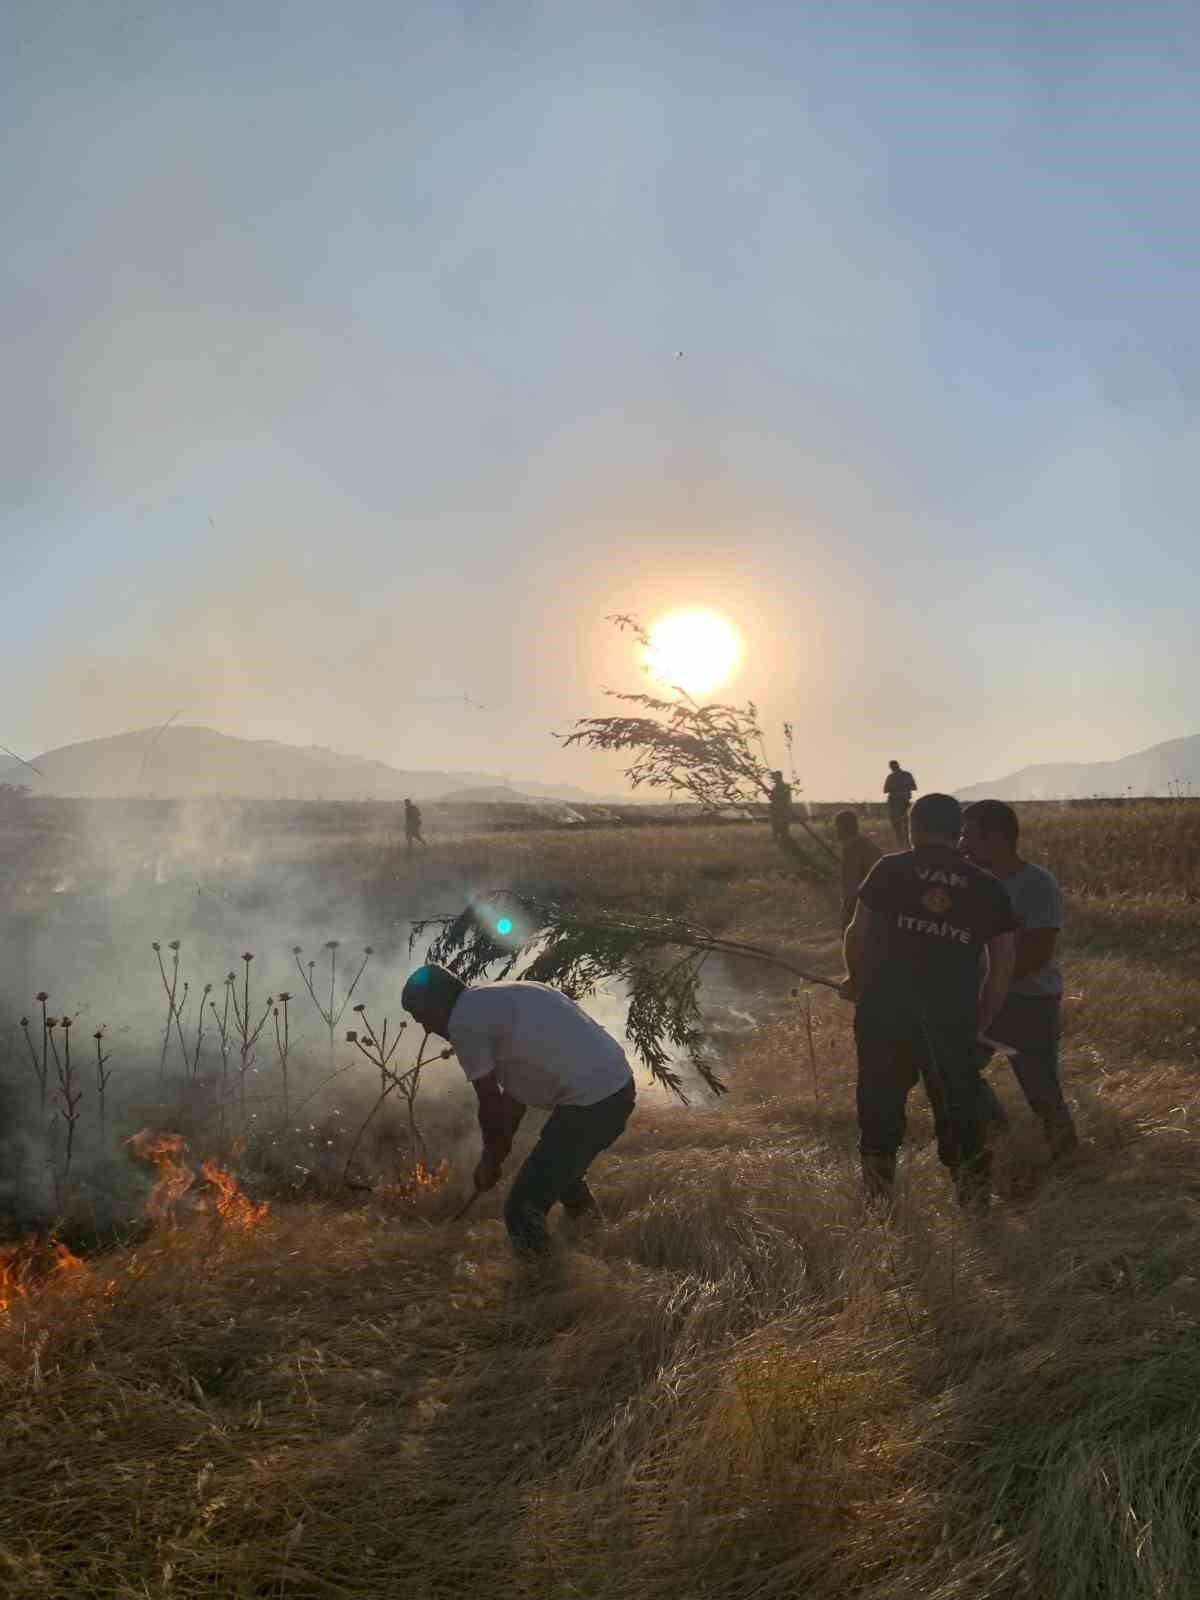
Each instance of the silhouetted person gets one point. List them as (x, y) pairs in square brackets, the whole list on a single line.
[(780, 801), (525, 1044), (412, 826), (899, 787), (923, 922), (859, 855), (1030, 1022)]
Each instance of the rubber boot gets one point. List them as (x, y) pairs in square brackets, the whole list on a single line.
[(879, 1179)]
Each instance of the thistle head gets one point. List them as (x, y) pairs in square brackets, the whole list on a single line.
[(331, 944), (247, 956), (42, 996), (296, 949), (284, 998), (351, 1037), (174, 945), (368, 950)]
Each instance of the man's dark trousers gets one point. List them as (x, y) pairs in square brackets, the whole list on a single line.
[(556, 1168), (899, 1041), (1032, 1026)]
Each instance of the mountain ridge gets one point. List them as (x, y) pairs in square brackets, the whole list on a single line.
[(185, 761), (1170, 767)]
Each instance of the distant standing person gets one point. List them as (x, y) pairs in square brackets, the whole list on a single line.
[(525, 1044), (923, 923), (899, 786), (412, 826), (859, 855), (781, 808), (1030, 1021)]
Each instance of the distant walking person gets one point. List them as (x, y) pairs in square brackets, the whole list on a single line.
[(781, 808), (899, 787), (412, 826), (859, 855), (923, 922), (1029, 1024)]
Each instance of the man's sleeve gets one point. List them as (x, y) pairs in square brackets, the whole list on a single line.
[(473, 1046), (1001, 914), (875, 891), (1044, 908)]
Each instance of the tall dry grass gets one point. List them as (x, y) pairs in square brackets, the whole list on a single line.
[(746, 1386)]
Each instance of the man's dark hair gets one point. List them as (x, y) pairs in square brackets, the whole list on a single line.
[(845, 822), (996, 817), (778, 776), (937, 813), (430, 989), (895, 766)]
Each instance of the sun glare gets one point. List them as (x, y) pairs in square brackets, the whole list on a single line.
[(696, 651)]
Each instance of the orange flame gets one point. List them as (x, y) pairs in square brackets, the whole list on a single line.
[(415, 1182), (167, 1152), (30, 1263), (231, 1205), (219, 1192)]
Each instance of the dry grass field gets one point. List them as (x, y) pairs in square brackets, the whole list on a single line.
[(745, 1387)]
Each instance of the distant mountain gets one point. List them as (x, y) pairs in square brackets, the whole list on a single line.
[(183, 762), (1158, 771)]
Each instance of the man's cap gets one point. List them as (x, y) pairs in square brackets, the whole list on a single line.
[(938, 813), (430, 988)]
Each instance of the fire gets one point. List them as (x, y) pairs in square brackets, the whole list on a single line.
[(215, 1190), (167, 1152), (415, 1182), (231, 1205), (30, 1263)]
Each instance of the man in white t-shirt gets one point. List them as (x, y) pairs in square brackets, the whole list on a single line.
[(526, 1044)]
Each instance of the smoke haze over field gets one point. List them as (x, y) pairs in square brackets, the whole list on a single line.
[(359, 357)]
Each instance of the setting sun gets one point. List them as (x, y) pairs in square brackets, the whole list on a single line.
[(696, 651)]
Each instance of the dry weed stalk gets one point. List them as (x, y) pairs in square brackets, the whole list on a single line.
[(175, 1005), (248, 1030), (40, 1063), (333, 1012), (283, 1042), (377, 1050), (67, 1094), (103, 1072)]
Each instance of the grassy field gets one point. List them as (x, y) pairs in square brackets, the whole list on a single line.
[(744, 1387)]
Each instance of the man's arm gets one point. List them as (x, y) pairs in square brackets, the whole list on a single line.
[(854, 948), (1002, 958), (1035, 949), (500, 1116)]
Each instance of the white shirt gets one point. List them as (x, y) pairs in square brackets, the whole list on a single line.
[(544, 1050)]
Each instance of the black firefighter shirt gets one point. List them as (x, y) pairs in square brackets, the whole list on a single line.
[(932, 915)]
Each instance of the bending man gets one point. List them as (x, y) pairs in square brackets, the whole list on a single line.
[(525, 1044), (923, 921)]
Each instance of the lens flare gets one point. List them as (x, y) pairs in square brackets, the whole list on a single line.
[(504, 925), (696, 651)]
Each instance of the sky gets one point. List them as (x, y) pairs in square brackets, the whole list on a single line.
[(360, 356)]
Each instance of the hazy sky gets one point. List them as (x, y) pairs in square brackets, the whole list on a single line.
[(340, 371)]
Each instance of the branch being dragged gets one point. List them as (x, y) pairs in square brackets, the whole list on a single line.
[(658, 963)]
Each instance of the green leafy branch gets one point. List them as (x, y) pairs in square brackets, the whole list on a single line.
[(656, 962)]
